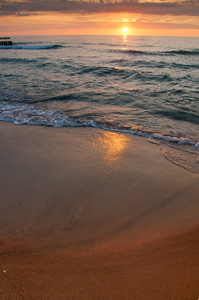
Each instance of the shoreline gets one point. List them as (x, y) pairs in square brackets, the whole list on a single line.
[(95, 215)]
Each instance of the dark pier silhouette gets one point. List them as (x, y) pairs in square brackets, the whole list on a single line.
[(5, 41)]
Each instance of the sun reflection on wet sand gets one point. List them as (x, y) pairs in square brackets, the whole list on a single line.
[(111, 147)]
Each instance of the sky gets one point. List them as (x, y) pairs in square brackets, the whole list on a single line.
[(91, 17)]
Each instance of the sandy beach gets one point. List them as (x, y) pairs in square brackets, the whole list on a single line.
[(91, 214)]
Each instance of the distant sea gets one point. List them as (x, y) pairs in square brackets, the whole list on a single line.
[(146, 86)]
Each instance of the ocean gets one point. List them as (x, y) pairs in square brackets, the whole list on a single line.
[(146, 86)]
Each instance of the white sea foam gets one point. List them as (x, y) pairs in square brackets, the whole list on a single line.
[(27, 114)]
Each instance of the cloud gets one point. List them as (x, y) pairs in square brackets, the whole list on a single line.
[(175, 8), (163, 25)]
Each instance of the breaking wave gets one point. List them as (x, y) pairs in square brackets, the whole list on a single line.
[(35, 47), (169, 145), (27, 114)]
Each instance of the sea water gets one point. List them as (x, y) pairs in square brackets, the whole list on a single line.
[(147, 86)]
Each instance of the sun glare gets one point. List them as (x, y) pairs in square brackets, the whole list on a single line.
[(125, 30)]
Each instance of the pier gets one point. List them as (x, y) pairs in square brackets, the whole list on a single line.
[(5, 41)]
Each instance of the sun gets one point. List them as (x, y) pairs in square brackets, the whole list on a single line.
[(125, 30)]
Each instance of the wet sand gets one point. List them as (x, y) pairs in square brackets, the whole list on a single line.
[(90, 214)]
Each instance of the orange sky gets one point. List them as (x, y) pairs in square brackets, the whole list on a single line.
[(142, 17)]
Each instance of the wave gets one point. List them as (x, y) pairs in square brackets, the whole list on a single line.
[(183, 52), (103, 71), (16, 60), (35, 47), (29, 42), (129, 51), (30, 115), (191, 117), (181, 151), (121, 72), (111, 44), (157, 53)]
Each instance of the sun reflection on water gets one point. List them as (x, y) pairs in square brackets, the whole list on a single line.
[(125, 38)]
